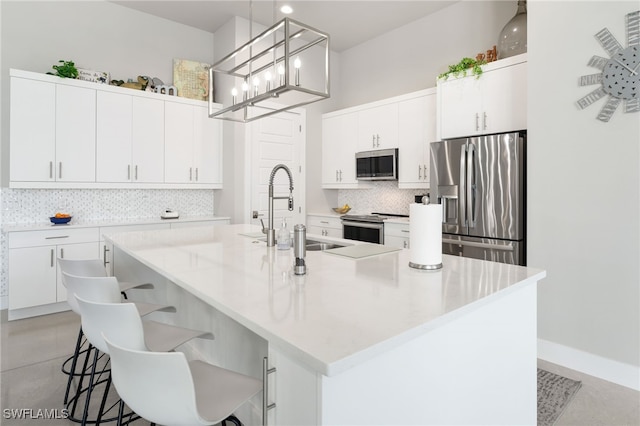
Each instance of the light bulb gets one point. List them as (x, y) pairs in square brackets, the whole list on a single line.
[(256, 85), (245, 90), (281, 73), (267, 77), (234, 94), (296, 65)]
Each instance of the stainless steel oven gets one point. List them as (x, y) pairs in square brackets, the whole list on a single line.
[(369, 228), (363, 230)]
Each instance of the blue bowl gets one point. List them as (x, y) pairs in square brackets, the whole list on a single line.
[(60, 220)]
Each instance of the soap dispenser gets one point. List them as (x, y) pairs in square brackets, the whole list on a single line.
[(284, 242)]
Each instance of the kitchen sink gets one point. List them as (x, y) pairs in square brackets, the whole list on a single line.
[(313, 245)]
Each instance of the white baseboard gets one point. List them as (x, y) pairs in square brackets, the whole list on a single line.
[(604, 368)]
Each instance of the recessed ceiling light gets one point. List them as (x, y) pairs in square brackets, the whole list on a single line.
[(286, 9)]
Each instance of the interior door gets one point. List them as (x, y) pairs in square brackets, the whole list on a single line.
[(278, 139)]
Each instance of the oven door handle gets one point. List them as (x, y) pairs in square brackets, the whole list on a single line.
[(363, 224)]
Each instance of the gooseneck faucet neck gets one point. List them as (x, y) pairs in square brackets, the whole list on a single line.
[(270, 231)]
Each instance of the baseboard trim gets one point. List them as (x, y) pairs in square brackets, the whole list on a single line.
[(604, 368)]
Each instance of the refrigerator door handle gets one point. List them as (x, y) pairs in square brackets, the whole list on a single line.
[(462, 210), (470, 186), (506, 247)]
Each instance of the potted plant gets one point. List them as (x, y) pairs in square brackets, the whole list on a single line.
[(67, 69), (462, 67)]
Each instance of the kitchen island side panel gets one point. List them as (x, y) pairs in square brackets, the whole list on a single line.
[(478, 369)]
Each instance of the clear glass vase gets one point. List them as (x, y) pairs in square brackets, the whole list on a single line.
[(513, 37)]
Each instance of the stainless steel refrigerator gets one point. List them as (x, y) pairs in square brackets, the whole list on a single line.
[(481, 184)]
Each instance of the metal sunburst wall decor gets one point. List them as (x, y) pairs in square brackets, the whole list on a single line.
[(620, 76)]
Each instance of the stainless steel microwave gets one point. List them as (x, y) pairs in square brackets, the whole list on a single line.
[(381, 164)]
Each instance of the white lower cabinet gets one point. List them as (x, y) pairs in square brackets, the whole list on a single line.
[(396, 234), (35, 282), (326, 226), (294, 389), (34, 279)]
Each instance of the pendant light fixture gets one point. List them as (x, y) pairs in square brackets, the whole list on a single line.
[(283, 67)]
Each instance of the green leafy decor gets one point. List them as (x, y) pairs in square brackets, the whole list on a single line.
[(66, 70), (461, 68)]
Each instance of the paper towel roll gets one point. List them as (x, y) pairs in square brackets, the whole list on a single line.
[(425, 236)]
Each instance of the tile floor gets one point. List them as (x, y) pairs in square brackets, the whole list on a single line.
[(32, 351)]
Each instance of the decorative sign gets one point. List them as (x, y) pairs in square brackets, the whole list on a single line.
[(191, 79)]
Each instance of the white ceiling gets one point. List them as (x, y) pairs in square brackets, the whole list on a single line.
[(348, 23)]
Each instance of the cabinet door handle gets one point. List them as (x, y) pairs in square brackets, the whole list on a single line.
[(373, 141), (265, 389), (60, 170), (190, 174), (136, 172), (405, 244), (425, 171), (419, 171), (50, 169), (128, 171), (52, 251), (484, 120), (61, 253), (196, 174), (477, 122), (56, 238), (104, 255), (378, 141), (340, 175)]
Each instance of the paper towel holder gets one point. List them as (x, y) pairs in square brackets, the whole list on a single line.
[(425, 200), (426, 267)]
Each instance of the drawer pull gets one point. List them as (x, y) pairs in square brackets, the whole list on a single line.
[(405, 230), (56, 238)]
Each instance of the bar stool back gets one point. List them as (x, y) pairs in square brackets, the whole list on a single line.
[(164, 388)]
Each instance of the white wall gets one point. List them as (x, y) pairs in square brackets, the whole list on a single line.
[(584, 192)]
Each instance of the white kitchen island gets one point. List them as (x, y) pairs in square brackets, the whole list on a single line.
[(354, 341)]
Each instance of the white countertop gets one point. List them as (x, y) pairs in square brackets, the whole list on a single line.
[(343, 312), (13, 227)]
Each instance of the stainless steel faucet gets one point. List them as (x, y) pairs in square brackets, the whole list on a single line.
[(270, 231)]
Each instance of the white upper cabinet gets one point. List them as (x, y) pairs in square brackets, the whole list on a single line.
[(33, 148), (52, 132), (147, 152), (114, 137), (378, 127), (130, 139), (193, 145), (339, 145), (75, 134), (207, 148), (416, 130), (496, 102)]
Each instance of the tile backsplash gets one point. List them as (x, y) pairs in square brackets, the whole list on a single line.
[(382, 197), (32, 206)]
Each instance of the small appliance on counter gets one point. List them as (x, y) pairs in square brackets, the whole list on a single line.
[(169, 214)]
